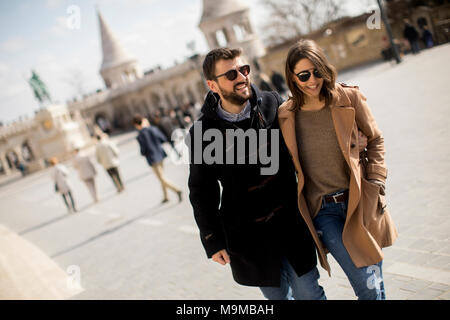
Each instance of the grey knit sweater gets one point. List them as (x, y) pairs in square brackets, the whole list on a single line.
[(322, 162)]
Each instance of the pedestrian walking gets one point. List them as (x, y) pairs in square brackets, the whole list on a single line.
[(341, 195), (411, 34), (279, 83), (107, 155), (60, 178), (86, 171), (247, 219), (165, 125), (427, 37), (150, 140), (264, 83)]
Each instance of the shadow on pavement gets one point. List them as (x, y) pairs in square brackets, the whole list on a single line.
[(59, 218), (39, 226), (137, 177), (154, 211)]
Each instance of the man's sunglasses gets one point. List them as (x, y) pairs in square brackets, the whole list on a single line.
[(232, 74), (305, 75)]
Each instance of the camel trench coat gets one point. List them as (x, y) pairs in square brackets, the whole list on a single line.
[(368, 227)]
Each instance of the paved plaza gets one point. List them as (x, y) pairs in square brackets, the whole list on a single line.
[(129, 246)]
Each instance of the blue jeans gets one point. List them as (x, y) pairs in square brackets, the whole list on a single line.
[(293, 287), (367, 282)]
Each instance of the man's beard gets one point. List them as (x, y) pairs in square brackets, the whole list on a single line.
[(236, 98)]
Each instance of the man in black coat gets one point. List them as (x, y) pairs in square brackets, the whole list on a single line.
[(253, 223)]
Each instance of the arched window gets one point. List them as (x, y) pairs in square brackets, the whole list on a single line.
[(27, 154), (221, 37), (240, 32), (155, 100), (12, 159), (190, 95), (169, 102)]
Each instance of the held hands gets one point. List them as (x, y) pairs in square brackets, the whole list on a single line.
[(221, 257)]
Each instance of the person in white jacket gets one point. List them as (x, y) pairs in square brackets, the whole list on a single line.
[(86, 171), (107, 155), (62, 186)]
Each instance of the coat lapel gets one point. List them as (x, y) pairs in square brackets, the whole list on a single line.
[(286, 118), (343, 119)]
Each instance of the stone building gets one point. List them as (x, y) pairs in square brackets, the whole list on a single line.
[(435, 17), (53, 132), (347, 42), (128, 90)]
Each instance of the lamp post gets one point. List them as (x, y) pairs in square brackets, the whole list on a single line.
[(389, 31)]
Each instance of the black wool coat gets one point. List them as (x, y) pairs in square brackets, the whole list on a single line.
[(254, 217)]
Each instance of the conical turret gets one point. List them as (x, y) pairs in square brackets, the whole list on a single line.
[(118, 67), (226, 23)]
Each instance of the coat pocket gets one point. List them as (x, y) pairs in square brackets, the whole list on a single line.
[(373, 205)]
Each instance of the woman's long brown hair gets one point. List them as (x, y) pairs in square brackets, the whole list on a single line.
[(310, 50)]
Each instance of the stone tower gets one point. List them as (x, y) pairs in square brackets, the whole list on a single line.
[(118, 67), (226, 23)]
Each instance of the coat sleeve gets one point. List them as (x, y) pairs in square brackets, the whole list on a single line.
[(376, 168), (64, 171), (204, 195), (142, 145), (92, 167), (97, 155), (114, 148), (161, 137)]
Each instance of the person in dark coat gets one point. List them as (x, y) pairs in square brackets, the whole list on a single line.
[(427, 37), (150, 140), (278, 81), (165, 125), (264, 83), (411, 34), (253, 223)]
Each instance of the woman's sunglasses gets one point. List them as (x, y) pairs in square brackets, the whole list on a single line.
[(232, 74), (305, 75)]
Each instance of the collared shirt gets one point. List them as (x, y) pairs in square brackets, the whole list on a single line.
[(234, 117)]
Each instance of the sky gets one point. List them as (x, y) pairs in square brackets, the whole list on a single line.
[(43, 35)]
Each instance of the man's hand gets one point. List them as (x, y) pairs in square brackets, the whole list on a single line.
[(221, 257), (362, 139)]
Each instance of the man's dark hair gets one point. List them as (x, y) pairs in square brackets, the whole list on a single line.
[(209, 64), (99, 137), (137, 119)]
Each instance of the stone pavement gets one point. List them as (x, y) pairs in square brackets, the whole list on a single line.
[(128, 246)]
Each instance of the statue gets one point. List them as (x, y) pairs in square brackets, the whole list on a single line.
[(39, 88)]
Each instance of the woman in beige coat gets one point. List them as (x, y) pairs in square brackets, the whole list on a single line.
[(340, 192), (86, 171), (62, 185)]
